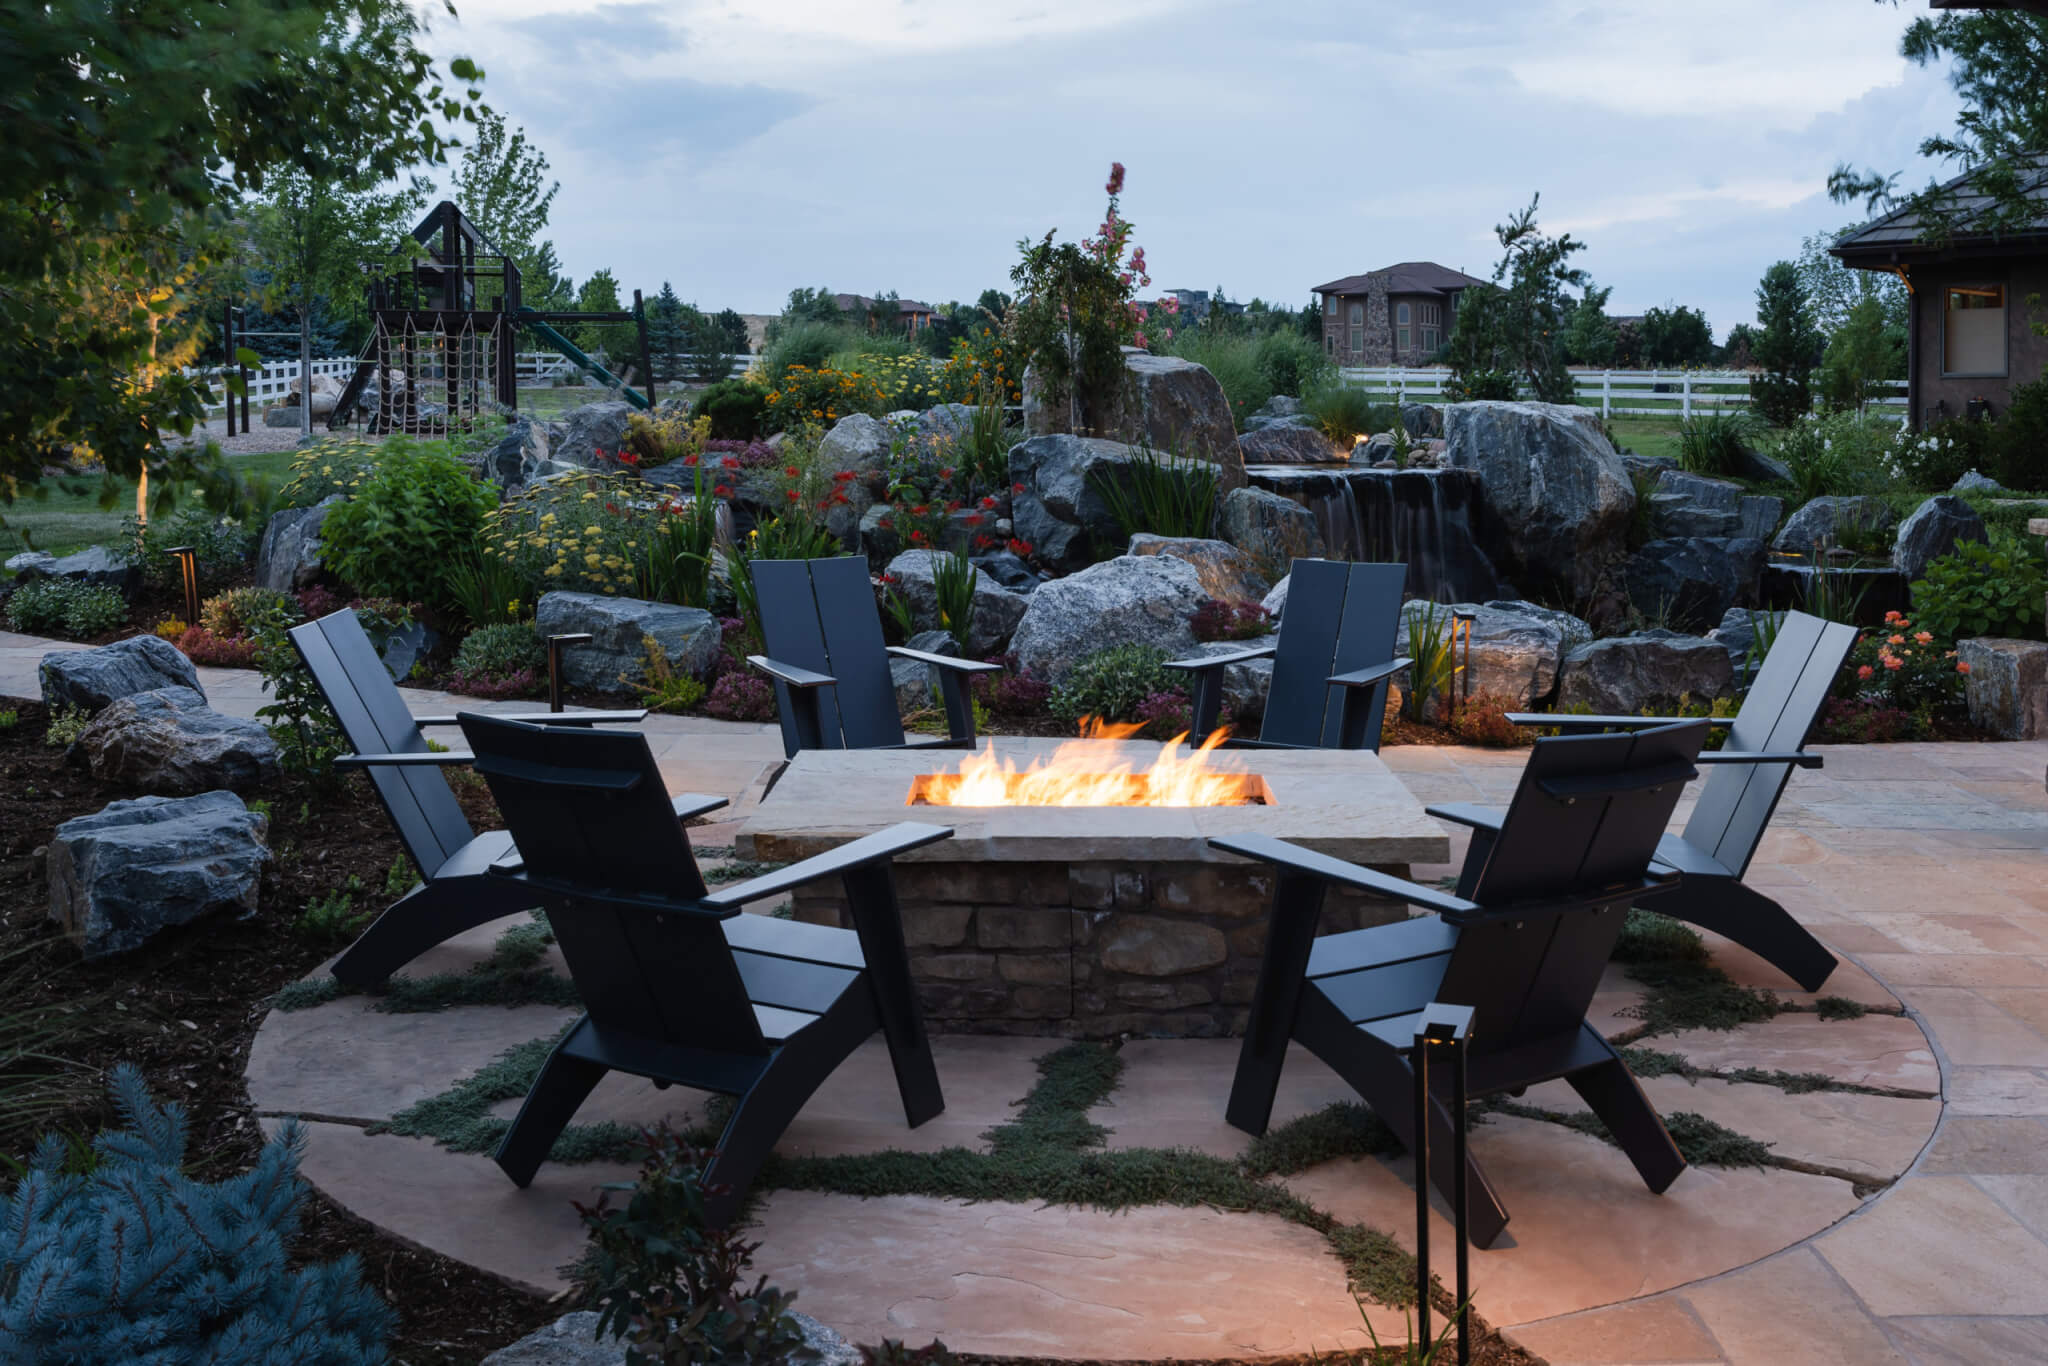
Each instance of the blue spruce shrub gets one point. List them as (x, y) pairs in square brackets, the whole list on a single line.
[(135, 1262)]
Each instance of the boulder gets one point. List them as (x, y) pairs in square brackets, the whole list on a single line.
[(1824, 519), (123, 874), (1514, 655), (1738, 633), (1275, 409), (1650, 674), (2007, 686), (1575, 631), (1932, 530), (1009, 569), (1423, 419), (1059, 512), (1288, 445), (1167, 402), (1275, 602), (93, 565), (995, 613), (589, 429), (523, 456), (858, 443), (1245, 685), (615, 659), (879, 543), (574, 1340), (1647, 466), (947, 423), (1374, 451), (93, 678), (288, 557), (1754, 464), (282, 416), (1131, 600), (169, 740), (917, 685), (30, 564), (1692, 581), (1560, 499), (1694, 505), (406, 647), (1972, 482), (1227, 573), (1274, 530)]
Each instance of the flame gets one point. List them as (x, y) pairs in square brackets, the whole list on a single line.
[(1078, 773)]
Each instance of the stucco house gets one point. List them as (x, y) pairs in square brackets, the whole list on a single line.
[(1399, 315), (1974, 300)]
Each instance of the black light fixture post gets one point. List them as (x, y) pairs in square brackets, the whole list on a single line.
[(555, 644), (1461, 625), (188, 572), (1439, 1027)]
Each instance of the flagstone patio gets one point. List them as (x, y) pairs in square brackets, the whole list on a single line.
[(1907, 1225)]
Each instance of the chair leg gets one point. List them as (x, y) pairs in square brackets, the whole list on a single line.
[(563, 1085), (1475, 860), (1612, 1093), (1736, 911), (424, 917), (1290, 934), (878, 920), (959, 705)]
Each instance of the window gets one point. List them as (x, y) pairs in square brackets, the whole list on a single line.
[(1429, 341), (1401, 314), (1432, 315), (1973, 330), (1401, 335), (1357, 314)]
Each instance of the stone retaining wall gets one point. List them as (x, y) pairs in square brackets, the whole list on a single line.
[(1089, 950)]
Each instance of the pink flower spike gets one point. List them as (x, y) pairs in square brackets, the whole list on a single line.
[(1116, 178)]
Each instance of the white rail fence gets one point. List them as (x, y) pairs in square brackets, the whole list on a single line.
[(274, 380), (1623, 393)]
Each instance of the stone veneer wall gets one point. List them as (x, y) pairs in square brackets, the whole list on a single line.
[(1089, 950)]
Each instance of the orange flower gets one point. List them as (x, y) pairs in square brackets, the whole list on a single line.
[(1962, 666), (1865, 671), (1923, 638)]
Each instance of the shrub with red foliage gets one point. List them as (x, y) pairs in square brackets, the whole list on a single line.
[(1011, 692), (202, 646), (1482, 719), (752, 455), (1866, 721), (741, 695), (521, 683), (318, 601), (1218, 620)]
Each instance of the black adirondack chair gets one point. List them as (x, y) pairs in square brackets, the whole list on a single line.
[(1524, 950), (679, 986), (830, 667), (1332, 660), (454, 894), (1750, 770)]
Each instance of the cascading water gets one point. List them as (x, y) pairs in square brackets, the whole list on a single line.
[(1424, 518)]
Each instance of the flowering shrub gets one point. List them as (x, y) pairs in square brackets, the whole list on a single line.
[(1012, 692), (1482, 719), (1903, 668), (333, 465), (821, 395), (741, 695), (1938, 456), (916, 381), (1219, 620), (751, 453), (1862, 721), (239, 611), (1114, 684), (203, 646), (578, 534), (661, 437)]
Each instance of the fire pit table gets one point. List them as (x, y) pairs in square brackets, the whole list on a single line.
[(1090, 921)]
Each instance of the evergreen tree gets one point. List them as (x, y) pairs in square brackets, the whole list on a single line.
[(709, 344), (1588, 335), (1785, 347), (666, 335), (1511, 334), (733, 328)]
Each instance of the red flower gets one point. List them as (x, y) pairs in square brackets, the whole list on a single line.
[(1116, 178), (974, 519), (1016, 488), (731, 462), (1019, 547), (917, 537), (886, 524), (628, 458), (612, 508), (723, 490), (690, 460), (921, 509), (988, 502), (791, 494), (843, 477), (792, 471), (945, 474), (953, 506)]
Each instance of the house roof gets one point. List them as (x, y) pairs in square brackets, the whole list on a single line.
[(1900, 230), (860, 303), (1409, 277)]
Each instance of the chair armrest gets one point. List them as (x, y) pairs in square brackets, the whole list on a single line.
[(417, 760), (1369, 677), (1566, 721), (1267, 849), (1219, 661), (900, 838), (1799, 757), (690, 804), (789, 674), (549, 718), (1468, 813), (965, 666)]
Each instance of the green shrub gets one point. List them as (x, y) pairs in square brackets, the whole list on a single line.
[(1292, 364), (333, 464), (67, 723), (738, 409), (2019, 439), (307, 735), (1983, 590), (65, 607), (1234, 361), (220, 547), (1713, 443), (1943, 453), (392, 539), (240, 611), (132, 1260), (501, 651), (1838, 454), (808, 344), (1113, 684), (1166, 494), (1344, 413)]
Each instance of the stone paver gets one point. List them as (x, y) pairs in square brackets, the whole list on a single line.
[(1877, 1050)]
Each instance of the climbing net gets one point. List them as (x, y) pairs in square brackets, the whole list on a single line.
[(433, 380)]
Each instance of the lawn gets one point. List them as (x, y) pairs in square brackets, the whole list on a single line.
[(1646, 435), (64, 515)]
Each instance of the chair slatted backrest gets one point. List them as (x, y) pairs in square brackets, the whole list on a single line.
[(1784, 700), (601, 845), (1585, 819), (366, 703), (1340, 617), (820, 615)]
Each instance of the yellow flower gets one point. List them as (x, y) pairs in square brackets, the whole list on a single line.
[(591, 560), (554, 571)]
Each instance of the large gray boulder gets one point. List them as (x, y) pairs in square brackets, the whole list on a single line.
[(1059, 512), (1559, 496), (1575, 631), (917, 685), (1650, 674), (574, 1340), (1275, 602), (589, 429), (1131, 600), (995, 613), (1227, 573), (1825, 519), (1693, 505), (106, 673), (288, 557), (1423, 420), (29, 564), (1932, 530), (1515, 654), (1245, 685), (1751, 463), (524, 455), (1970, 481), (122, 875), (616, 659), (2007, 686), (1692, 581), (1167, 402), (93, 565), (170, 741), (1287, 445), (859, 443), (1271, 528), (1738, 634)]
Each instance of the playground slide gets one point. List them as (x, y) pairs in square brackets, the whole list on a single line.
[(575, 353)]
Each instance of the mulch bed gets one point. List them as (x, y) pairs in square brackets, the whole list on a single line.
[(185, 1008)]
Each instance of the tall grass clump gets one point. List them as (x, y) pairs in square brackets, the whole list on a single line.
[(1344, 414), (1165, 494), (1714, 443)]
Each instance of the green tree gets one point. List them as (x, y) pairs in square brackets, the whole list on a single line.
[(1739, 351), (131, 126), (319, 238), (732, 330), (543, 285), (1677, 337), (1785, 346), (1865, 350), (1995, 60), (665, 332), (1588, 334), (1512, 335), (620, 342), (1832, 289), (501, 184)]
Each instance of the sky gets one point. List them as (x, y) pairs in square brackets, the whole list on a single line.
[(741, 148)]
